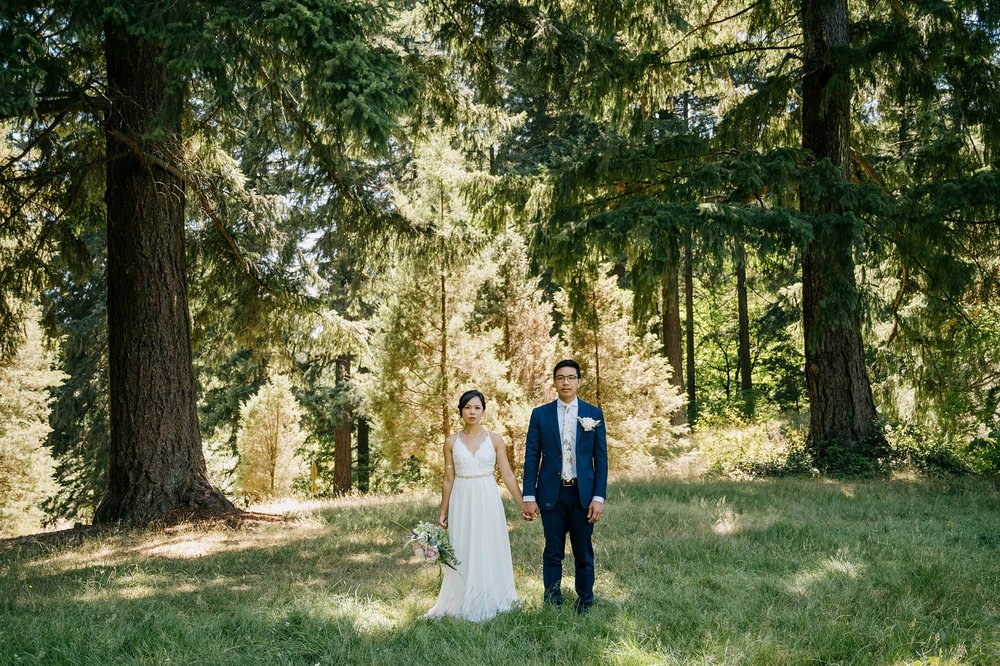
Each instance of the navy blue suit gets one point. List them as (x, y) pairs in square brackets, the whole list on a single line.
[(564, 509)]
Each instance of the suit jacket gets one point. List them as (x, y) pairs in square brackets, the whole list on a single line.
[(543, 455)]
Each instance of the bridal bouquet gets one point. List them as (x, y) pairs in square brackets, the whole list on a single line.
[(430, 543)]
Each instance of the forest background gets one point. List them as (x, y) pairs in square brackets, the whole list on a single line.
[(260, 251)]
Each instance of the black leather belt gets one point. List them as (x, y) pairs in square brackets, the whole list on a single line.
[(568, 484)]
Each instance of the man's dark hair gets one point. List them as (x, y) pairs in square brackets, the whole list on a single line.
[(567, 363)]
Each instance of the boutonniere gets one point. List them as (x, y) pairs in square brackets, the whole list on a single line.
[(588, 423)]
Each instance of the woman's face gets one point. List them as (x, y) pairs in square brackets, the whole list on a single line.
[(473, 411)]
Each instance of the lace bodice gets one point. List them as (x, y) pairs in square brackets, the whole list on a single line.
[(478, 464)]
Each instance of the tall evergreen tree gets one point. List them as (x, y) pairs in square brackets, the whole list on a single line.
[(105, 95)]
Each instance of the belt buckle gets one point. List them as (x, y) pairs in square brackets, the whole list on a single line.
[(568, 483)]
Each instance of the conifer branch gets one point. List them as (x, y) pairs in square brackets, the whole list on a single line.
[(206, 205), (896, 302), (34, 142), (79, 101), (710, 22), (722, 54), (860, 160), (897, 7)]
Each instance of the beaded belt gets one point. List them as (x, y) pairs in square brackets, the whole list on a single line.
[(474, 476)]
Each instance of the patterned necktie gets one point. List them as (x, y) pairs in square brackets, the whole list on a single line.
[(567, 444)]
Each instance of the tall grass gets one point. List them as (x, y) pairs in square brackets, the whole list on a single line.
[(787, 571)]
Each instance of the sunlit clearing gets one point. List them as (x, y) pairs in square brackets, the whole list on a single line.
[(830, 569)]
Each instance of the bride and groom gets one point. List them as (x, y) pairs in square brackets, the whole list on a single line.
[(565, 481)]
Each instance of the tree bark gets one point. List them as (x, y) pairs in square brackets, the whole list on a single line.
[(364, 459), (445, 412), (508, 357), (844, 434), (692, 406), (156, 462), (671, 323), (746, 383), (342, 470)]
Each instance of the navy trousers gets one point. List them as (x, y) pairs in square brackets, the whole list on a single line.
[(568, 517)]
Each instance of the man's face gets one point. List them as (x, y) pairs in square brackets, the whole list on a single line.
[(567, 383)]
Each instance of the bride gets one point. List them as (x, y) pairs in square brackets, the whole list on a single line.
[(471, 509)]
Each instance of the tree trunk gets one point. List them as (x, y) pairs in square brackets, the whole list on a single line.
[(746, 383), (364, 460), (844, 434), (508, 359), (597, 350), (155, 459), (445, 412), (671, 323), (692, 406), (342, 471)]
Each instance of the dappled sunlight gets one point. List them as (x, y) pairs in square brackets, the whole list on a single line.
[(202, 543), (178, 543), (292, 505), (368, 615), (837, 567), (625, 644), (78, 558), (366, 557), (195, 547), (726, 524)]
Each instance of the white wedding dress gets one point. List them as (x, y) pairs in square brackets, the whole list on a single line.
[(483, 585)]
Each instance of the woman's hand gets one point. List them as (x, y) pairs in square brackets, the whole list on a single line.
[(442, 521)]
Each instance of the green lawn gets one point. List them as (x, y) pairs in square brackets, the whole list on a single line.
[(787, 571)]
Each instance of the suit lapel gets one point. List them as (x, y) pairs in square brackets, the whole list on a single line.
[(554, 422), (581, 412)]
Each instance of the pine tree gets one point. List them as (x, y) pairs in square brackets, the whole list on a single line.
[(624, 374), (268, 440), (161, 75), (26, 468)]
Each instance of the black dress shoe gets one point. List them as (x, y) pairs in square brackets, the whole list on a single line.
[(583, 608)]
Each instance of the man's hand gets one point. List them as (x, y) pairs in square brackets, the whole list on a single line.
[(529, 510), (594, 512)]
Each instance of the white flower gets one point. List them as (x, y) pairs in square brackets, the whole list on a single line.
[(588, 423)]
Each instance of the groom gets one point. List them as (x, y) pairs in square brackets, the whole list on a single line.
[(566, 475)]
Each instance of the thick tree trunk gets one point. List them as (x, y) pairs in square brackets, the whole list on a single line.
[(746, 383), (342, 470), (671, 323), (692, 406), (155, 460), (844, 434), (364, 458)]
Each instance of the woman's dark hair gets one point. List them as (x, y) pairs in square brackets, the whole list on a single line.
[(567, 363), (469, 395)]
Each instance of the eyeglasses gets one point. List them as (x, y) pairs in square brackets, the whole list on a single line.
[(566, 378)]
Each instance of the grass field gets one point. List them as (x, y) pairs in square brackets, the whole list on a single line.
[(688, 572)]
